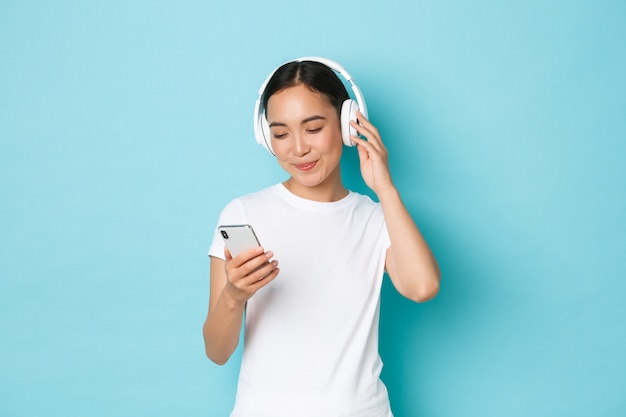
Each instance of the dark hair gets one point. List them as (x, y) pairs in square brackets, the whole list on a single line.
[(315, 75)]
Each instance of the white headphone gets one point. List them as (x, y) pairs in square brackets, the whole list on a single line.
[(348, 108)]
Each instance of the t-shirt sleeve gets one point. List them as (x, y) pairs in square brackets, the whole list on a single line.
[(233, 213), (386, 241)]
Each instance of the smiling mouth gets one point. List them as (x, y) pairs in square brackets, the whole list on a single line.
[(306, 167)]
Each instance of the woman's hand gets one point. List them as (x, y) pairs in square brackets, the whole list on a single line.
[(233, 282), (409, 262), (373, 155), (248, 272)]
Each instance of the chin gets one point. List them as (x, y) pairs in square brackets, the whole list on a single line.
[(307, 179), (307, 182)]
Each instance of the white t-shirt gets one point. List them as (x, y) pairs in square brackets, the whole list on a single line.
[(311, 335)]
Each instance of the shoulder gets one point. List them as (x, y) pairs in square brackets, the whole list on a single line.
[(253, 199), (365, 202), (257, 197), (364, 208)]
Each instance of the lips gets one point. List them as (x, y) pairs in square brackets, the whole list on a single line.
[(307, 166)]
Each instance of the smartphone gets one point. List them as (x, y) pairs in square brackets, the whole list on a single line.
[(238, 238)]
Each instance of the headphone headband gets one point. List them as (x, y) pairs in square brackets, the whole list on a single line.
[(260, 123)]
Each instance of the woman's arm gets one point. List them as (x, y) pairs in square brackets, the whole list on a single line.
[(409, 261), (233, 282), (410, 264)]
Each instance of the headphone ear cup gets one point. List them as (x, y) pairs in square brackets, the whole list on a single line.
[(264, 130), (348, 113)]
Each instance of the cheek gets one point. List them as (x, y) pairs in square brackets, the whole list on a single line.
[(282, 152), (278, 146), (334, 142)]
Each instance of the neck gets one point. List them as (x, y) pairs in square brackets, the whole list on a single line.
[(326, 192)]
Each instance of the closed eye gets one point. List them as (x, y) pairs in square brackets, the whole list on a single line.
[(313, 131), (280, 135)]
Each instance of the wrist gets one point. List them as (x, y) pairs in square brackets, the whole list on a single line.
[(231, 301), (388, 192)]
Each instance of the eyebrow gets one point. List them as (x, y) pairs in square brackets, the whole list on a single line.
[(304, 121)]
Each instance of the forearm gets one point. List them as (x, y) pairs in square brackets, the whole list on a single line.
[(222, 328), (410, 264)]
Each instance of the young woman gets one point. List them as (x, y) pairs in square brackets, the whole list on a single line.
[(311, 322)]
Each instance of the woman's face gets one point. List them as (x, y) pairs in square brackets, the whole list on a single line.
[(306, 138)]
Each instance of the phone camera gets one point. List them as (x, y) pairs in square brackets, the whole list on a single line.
[(224, 234)]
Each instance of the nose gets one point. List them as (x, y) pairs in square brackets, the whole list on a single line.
[(300, 145)]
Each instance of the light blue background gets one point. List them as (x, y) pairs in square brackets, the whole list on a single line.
[(125, 126)]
